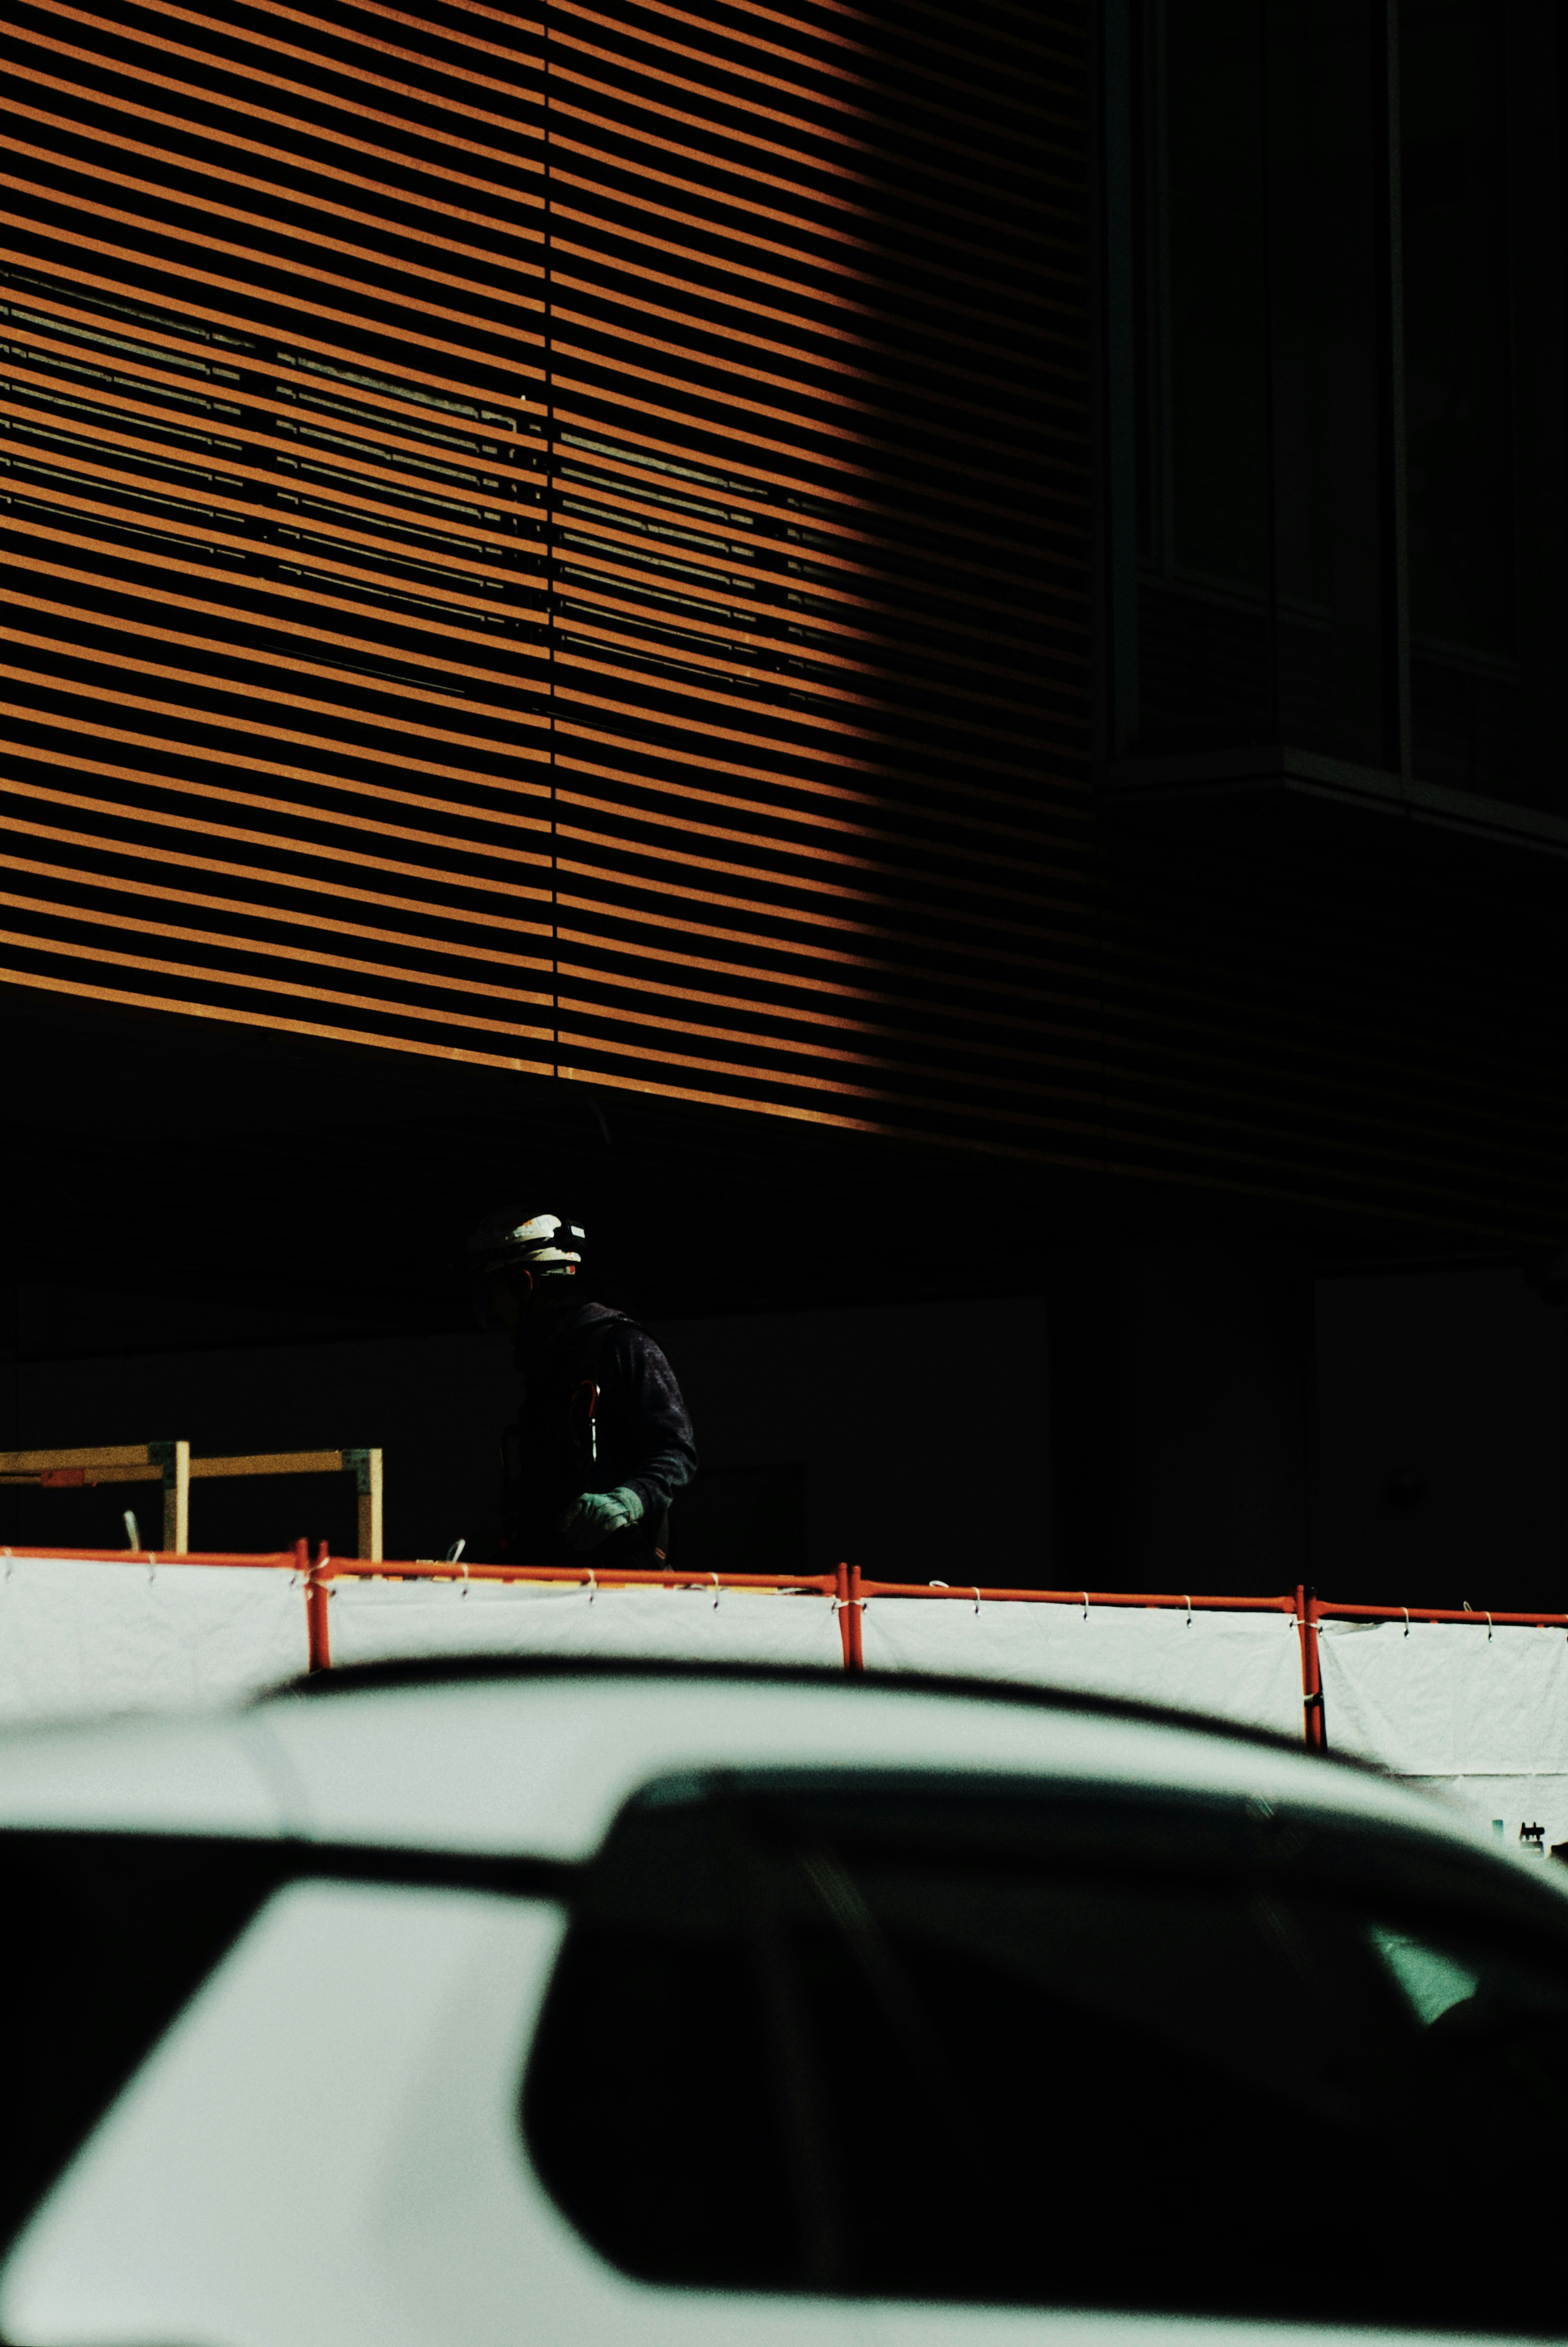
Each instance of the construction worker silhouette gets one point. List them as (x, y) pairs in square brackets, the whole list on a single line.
[(602, 1442)]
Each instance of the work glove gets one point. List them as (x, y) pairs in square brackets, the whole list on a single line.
[(590, 1519)]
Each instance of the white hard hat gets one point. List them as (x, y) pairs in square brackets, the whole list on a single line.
[(540, 1241)]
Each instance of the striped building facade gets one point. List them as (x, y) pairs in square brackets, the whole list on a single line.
[(599, 598)]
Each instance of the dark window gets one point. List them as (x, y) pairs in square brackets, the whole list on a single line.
[(1486, 425), (103, 1938), (1263, 556), (1351, 429), (985, 2043)]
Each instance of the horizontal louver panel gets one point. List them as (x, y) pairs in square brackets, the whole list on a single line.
[(537, 539), (276, 687), (797, 318)]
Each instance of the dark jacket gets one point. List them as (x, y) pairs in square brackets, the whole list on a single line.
[(600, 1408)]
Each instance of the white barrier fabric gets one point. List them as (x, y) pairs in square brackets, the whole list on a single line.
[(79, 1636), (377, 1621), (1481, 1717), (1240, 1666), (1478, 1713)]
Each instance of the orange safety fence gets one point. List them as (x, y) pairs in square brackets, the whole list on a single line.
[(847, 1589)]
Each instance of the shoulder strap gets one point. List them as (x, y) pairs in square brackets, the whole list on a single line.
[(584, 1345)]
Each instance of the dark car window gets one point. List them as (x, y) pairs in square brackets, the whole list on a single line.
[(103, 1937), (976, 2042)]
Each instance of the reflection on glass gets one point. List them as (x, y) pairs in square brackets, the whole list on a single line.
[(1285, 399), (1204, 662), (1484, 421), (1262, 577), (1433, 1983)]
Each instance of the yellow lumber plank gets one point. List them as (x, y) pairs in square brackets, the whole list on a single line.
[(370, 1510), (271, 1463), (99, 1455), (89, 1475), (176, 1502)]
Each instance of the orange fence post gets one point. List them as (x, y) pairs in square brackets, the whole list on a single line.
[(1314, 1726), (846, 1614), (850, 1605), (317, 1637)]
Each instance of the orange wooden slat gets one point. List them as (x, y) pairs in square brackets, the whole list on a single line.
[(245, 364), (222, 941), (306, 420), (348, 785), (32, 223), (247, 724), (114, 136), (282, 985), (326, 81), (167, 597), (306, 462), (206, 207), (301, 553), (93, 846), (126, 71), (204, 794), (238, 910), (735, 730)]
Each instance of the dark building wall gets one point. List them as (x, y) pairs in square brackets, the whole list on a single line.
[(914, 1438), (1337, 430), (570, 578), (922, 1442), (1212, 1412), (1442, 1439)]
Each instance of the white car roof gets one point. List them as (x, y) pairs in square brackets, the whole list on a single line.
[(537, 1762)]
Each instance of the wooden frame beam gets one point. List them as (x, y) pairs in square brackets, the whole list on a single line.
[(172, 1464)]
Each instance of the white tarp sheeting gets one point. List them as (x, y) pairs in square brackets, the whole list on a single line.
[(1481, 1716), (1240, 1666), (374, 1621), (1480, 1713), (78, 1635)]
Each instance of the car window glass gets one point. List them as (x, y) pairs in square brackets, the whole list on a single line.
[(984, 2045)]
